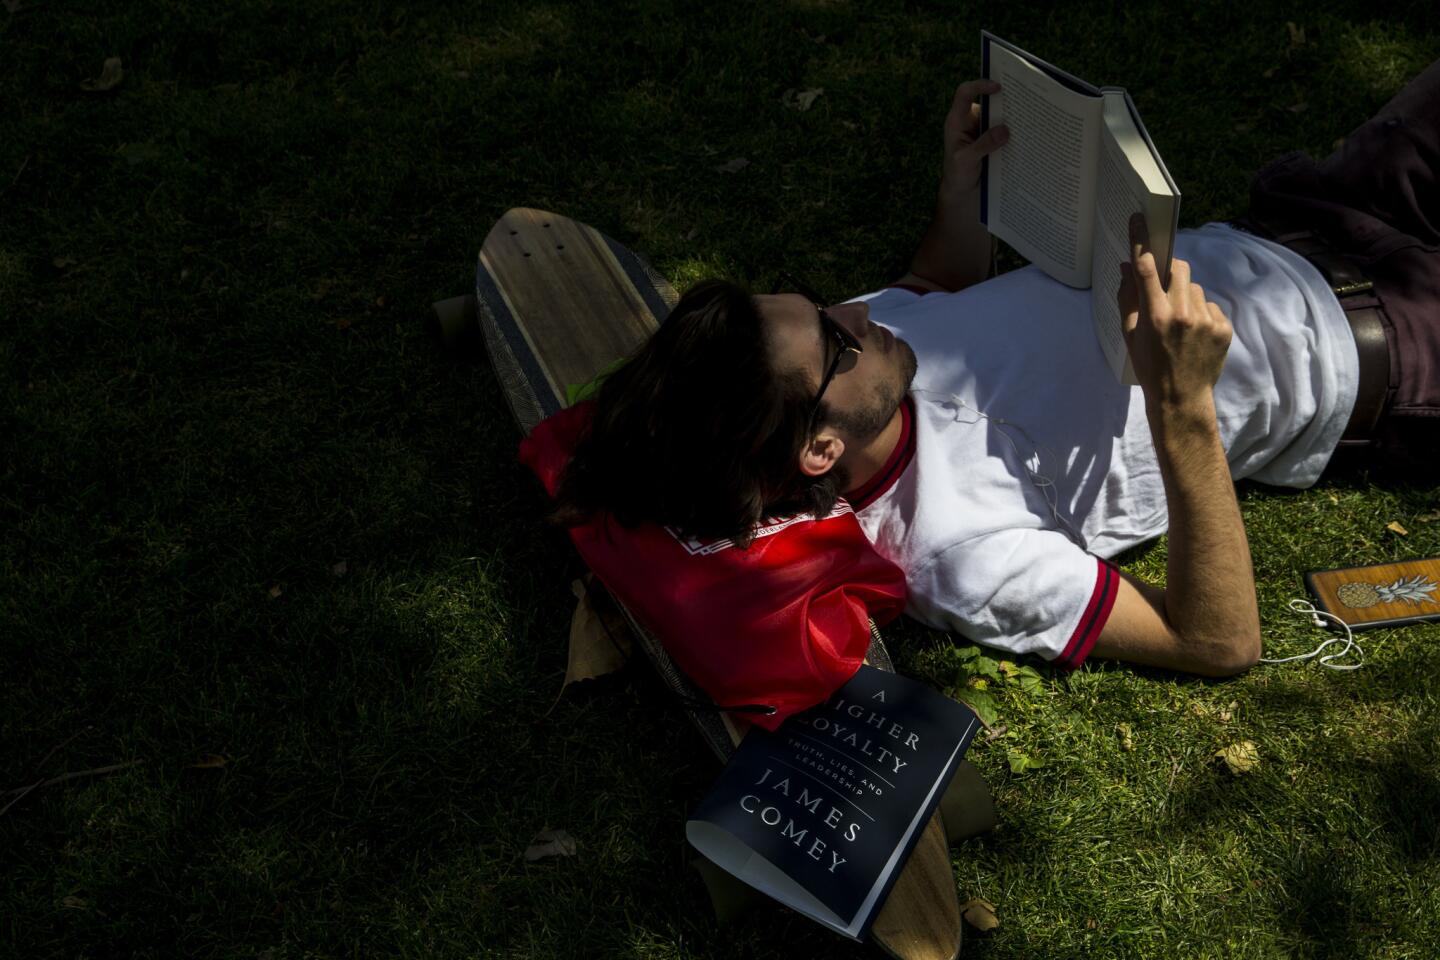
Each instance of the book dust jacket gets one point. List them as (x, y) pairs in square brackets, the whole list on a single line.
[(821, 813)]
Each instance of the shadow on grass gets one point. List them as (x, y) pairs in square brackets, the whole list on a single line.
[(1408, 795)]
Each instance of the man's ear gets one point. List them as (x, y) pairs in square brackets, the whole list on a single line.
[(820, 454)]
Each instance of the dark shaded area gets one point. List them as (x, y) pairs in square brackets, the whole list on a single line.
[(226, 390)]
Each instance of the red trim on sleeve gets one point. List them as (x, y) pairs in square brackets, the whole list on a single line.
[(1092, 621), (895, 464), (909, 286)]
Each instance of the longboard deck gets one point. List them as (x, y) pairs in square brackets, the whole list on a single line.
[(557, 303)]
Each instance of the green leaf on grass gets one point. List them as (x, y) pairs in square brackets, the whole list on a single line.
[(985, 667), (1030, 684), (981, 702), (1029, 680), (1020, 762)]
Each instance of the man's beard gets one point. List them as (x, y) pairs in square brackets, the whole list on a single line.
[(866, 423)]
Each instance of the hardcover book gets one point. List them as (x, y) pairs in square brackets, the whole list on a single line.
[(822, 813), (1078, 165)]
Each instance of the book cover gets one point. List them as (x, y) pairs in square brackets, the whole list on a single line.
[(822, 813)]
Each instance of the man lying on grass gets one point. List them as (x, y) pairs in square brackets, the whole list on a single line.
[(977, 432)]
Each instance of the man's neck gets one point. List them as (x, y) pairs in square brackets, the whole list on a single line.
[(867, 461)]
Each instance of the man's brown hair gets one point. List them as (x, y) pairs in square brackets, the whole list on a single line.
[(697, 431)]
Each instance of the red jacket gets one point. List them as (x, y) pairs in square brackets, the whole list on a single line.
[(783, 622)]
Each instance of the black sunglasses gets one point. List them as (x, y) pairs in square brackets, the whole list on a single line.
[(845, 342)]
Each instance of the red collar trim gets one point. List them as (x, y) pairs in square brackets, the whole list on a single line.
[(895, 464)]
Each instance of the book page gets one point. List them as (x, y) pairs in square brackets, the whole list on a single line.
[(1041, 183), (1129, 181)]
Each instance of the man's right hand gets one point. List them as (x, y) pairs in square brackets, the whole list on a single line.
[(1177, 339), (1206, 619)]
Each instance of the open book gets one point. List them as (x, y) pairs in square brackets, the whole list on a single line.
[(822, 813), (1078, 164)]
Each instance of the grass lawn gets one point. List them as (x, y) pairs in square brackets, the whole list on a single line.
[(251, 511)]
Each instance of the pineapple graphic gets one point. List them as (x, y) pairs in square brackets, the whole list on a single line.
[(1414, 590)]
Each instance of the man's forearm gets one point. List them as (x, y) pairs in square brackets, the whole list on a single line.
[(1210, 593), (955, 251)]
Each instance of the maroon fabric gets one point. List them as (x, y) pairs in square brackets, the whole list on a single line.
[(1376, 200)]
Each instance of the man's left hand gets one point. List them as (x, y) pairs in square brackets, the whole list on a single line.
[(964, 144)]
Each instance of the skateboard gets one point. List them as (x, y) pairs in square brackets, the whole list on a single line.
[(558, 302)]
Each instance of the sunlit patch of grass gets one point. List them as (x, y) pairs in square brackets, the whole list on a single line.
[(1381, 55)]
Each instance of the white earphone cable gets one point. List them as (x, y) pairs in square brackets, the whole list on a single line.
[(1045, 484), (1305, 607)]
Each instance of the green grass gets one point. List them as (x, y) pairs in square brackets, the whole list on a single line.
[(231, 389)]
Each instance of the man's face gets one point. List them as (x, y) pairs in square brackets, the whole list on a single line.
[(866, 390)]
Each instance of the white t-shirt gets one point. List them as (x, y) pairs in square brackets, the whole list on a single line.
[(983, 553)]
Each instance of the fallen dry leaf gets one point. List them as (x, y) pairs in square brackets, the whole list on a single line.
[(1394, 525), (63, 262), (734, 166), (800, 99), (1429, 517), (210, 761), (1269, 73), (980, 914), (340, 569), (1297, 34), (344, 323), (1300, 107), (550, 843), (110, 74), (275, 591), (1239, 757), (594, 649)]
